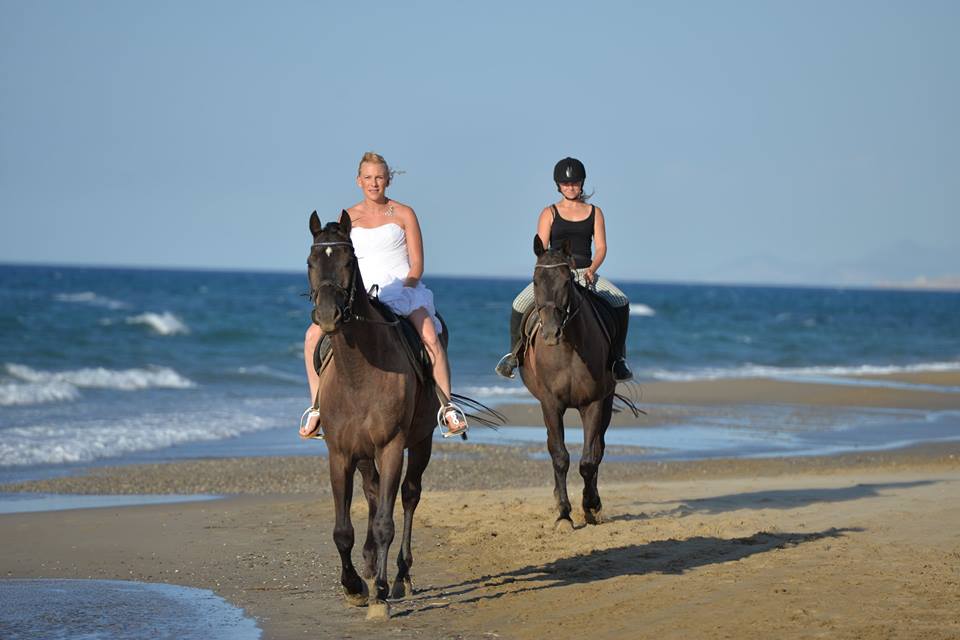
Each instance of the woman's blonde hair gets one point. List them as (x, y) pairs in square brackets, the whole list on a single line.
[(375, 158)]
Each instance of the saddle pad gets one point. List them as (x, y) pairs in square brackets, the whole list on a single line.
[(601, 309), (412, 343)]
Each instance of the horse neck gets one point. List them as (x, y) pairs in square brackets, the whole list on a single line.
[(357, 340)]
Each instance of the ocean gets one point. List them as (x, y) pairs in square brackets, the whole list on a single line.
[(107, 366)]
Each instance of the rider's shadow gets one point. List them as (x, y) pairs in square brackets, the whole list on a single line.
[(775, 499), (660, 556)]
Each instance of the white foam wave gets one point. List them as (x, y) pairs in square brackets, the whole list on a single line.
[(100, 378), (495, 391), (14, 393), (639, 309), (166, 324), (271, 373), (51, 444), (91, 298), (761, 371)]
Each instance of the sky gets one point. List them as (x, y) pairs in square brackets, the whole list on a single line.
[(743, 142)]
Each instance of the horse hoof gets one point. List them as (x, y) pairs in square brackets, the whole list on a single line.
[(563, 525), (402, 589), (356, 599), (378, 611), (593, 517)]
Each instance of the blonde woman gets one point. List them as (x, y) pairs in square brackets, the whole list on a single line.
[(389, 248)]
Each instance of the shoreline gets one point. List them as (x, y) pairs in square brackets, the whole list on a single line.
[(860, 544)]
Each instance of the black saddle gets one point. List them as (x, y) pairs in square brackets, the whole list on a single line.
[(412, 343), (600, 308)]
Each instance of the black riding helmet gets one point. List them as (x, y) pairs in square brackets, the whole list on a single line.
[(569, 170)]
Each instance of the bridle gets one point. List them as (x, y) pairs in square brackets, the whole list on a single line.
[(568, 312), (349, 292)]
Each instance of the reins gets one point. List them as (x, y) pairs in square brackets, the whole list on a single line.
[(346, 311), (568, 314)]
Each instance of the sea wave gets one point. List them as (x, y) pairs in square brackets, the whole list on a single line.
[(640, 309), (494, 391), (45, 444), (91, 298), (15, 393), (762, 371), (100, 378), (269, 373), (166, 324)]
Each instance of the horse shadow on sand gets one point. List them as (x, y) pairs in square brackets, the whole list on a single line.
[(775, 499), (659, 556)]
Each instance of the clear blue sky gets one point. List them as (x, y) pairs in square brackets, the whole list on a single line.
[(804, 142)]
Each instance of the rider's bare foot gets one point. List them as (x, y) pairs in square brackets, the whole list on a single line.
[(311, 429), (454, 420)]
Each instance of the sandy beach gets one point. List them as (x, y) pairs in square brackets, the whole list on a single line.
[(860, 545)]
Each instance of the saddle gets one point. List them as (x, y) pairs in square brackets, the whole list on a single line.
[(412, 344), (601, 309)]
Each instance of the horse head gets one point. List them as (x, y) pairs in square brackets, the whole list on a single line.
[(333, 272), (553, 289)]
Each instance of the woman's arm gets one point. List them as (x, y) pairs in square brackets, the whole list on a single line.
[(411, 228), (599, 245), (544, 225)]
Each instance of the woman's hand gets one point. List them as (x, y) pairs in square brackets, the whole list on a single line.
[(411, 282), (590, 275)]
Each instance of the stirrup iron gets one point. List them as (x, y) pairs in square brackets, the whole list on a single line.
[(309, 413)]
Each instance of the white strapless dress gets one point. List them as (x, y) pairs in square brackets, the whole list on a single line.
[(382, 255)]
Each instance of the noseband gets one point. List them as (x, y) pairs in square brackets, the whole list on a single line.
[(569, 312), (346, 310)]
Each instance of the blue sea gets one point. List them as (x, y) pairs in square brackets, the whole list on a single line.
[(107, 366)]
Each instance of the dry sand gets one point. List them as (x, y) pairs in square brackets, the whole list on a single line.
[(855, 546)]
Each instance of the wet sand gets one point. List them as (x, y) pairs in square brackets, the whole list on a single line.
[(863, 545)]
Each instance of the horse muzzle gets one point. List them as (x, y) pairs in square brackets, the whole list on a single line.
[(328, 318)]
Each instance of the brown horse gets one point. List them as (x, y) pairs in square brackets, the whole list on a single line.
[(373, 407), (566, 365)]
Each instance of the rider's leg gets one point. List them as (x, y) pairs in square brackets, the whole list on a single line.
[(621, 309), (441, 367), (621, 372), (511, 361), (310, 342)]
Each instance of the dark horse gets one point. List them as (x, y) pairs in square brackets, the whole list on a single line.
[(566, 365), (373, 406)]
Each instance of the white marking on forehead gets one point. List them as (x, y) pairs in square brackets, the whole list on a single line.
[(328, 251)]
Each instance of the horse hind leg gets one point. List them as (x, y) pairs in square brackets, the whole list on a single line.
[(341, 482), (596, 418), (410, 491), (371, 487)]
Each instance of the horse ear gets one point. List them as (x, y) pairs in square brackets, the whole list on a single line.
[(345, 222), (565, 247), (538, 245), (315, 225)]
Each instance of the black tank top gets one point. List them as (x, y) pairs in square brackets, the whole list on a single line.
[(580, 235)]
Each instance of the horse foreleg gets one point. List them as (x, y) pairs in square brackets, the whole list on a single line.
[(371, 487), (410, 490), (390, 463), (596, 418), (553, 418), (341, 482)]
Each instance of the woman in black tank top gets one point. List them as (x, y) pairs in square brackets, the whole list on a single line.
[(573, 219)]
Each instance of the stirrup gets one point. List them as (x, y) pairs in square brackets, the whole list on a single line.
[(624, 374), (310, 413), (507, 366), (459, 420)]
